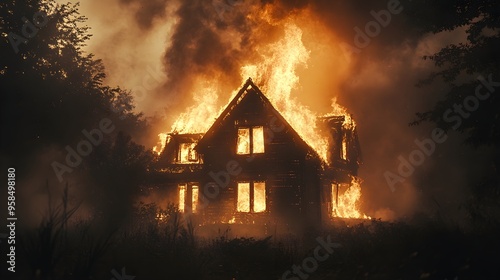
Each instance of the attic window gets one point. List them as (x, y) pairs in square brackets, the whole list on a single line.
[(187, 153), (250, 140), (251, 197)]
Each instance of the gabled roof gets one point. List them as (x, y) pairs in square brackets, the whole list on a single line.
[(250, 87)]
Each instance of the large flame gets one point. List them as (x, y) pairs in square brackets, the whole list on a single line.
[(347, 203), (275, 73)]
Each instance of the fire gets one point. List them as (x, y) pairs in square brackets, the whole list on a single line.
[(243, 204), (243, 141), (277, 74), (347, 203), (259, 197), (274, 71), (182, 198), (195, 195), (199, 117), (344, 147), (161, 143)]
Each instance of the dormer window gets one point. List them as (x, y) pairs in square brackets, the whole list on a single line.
[(187, 153), (250, 140)]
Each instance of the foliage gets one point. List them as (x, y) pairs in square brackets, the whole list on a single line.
[(460, 64)]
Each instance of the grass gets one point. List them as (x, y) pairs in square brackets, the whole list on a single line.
[(61, 248)]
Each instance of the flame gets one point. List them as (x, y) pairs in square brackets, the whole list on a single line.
[(344, 147), (194, 199), (347, 204), (160, 216), (199, 117), (259, 197), (274, 71), (258, 140), (162, 142), (182, 198), (243, 204), (187, 153), (277, 74), (243, 145)]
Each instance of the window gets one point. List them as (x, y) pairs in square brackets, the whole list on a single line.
[(194, 199), (251, 197), (187, 154), (243, 141), (188, 198), (182, 198), (250, 140), (339, 199), (344, 147)]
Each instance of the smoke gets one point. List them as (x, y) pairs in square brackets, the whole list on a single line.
[(191, 42)]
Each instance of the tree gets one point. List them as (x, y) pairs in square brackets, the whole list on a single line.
[(461, 65), (51, 89)]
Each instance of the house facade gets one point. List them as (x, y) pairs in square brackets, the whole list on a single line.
[(251, 167)]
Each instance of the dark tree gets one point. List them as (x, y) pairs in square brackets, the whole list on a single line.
[(460, 65), (51, 89)]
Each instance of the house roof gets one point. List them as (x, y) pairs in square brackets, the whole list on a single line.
[(242, 93)]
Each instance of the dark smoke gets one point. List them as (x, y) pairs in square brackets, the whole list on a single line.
[(211, 40)]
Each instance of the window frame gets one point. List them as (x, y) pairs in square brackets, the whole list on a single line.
[(190, 204), (251, 140), (251, 196)]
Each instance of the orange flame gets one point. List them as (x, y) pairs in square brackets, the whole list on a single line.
[(347, 204), (162, 142), (275, 73)]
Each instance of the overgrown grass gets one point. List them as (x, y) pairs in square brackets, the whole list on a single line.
[(149, 248)]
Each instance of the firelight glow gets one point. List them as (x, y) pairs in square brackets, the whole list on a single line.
[(275, 71), (346, 205)]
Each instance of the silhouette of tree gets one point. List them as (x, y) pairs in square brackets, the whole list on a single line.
[(52, 89), (461, 64)]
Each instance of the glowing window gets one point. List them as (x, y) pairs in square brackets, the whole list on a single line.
[(243, 141), (188, 198), (259, 197), (194, 198), (243, 197), (258, 140), (344, 148), (250, 141), (187, 154), (182, 198), (251, 197)]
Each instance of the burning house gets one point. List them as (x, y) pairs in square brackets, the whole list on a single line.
[(252, 167)]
